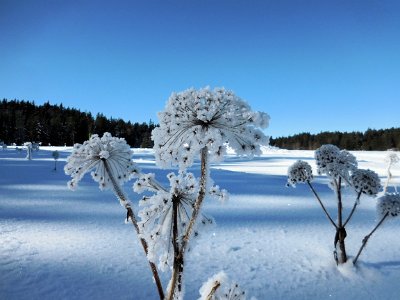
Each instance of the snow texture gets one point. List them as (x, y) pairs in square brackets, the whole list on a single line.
[(61, 245)]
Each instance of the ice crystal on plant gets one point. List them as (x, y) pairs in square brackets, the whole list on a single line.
[(159, 211), (109, 158), (389, 204), (335, 162), (392, 158), (219, 287), (194, 119), (299, 172), (366, 182)]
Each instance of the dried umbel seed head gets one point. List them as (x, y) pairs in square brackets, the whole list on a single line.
[(194, 119), (335, 162), (299, 172), (392, 158), (389, 204), (366, 182), (107, 157)]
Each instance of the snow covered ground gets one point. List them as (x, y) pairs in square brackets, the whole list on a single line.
[(274, 241)]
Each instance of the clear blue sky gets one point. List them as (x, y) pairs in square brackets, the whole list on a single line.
[(312, 65)]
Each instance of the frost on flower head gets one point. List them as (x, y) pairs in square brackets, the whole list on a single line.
[(159, 211), (335, 162), (194, 119), (219, 287), (366, 182), (392, 158), (389, 204), (299, 172), (109, 158)]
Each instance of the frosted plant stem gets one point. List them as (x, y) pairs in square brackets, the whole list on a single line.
[(322, 205), (340, 232), (366, 238), (389, 176), (130, 214), (353, 209), (217, 284), (177, 272)]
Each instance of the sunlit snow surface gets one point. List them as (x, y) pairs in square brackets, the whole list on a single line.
[(274, 241)]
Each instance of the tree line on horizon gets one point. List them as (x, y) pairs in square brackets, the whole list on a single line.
[(372, 139), (24, 121)]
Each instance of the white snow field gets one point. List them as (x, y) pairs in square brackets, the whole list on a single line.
[(272, 240)]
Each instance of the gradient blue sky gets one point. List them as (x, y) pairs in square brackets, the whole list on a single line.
[(312, 65)]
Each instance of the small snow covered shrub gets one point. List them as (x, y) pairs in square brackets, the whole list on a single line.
[(55, 155), (391, 159), (340, 167), (388, 207), (28, 146)]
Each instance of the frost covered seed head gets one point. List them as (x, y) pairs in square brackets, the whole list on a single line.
[(194, 119), (158, 214), (335, 162), (366, 182), (389, 204), (392, 158), (108, 157), (299, 172)]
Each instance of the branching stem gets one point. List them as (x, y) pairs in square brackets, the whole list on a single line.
[(366, 238), (353, 209), (322, 205), (177, 271), (124, 200)]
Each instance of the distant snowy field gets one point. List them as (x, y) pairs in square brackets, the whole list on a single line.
[(274, 241)]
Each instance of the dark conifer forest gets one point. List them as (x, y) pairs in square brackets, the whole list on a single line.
[(372, 139), (22, 121)]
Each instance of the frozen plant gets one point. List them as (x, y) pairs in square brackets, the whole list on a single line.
[(165, 215), (388, 207), (340, 167), (219, 287), (109, 161), (55, 155), (391, 159), (28, 146), (200, 124)]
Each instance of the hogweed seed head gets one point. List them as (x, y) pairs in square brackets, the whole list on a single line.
[(299, 172), (334, 162), (389, 204), (194, 119), (366, 182), (106, 157)]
